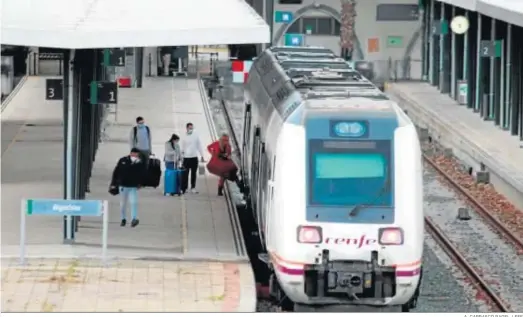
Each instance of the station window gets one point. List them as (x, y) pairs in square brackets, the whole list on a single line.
[(316, 25), (325, 26), (295, 27)]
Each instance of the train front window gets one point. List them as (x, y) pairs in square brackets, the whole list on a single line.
[(349, 177)]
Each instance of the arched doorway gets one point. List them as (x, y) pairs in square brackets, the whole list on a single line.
[(326, 9)]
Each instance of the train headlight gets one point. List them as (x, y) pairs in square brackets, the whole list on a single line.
[(309, 234), (391, 236)]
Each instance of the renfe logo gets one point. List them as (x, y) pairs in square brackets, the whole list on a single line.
[(64, 208), (358, 242)]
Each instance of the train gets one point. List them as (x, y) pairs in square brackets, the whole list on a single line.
[(333, 177)]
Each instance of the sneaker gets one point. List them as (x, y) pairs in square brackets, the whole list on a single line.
[(135, 222), (123, 223), (194, 191)]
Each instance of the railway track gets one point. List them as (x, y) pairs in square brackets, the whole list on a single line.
[(490, 219), (449, 248), (456, 256)]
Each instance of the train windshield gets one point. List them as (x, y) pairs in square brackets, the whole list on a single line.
[(349, 176)]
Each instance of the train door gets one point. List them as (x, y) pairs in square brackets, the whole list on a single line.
[(254, 173), (245, 144), (262, 191)]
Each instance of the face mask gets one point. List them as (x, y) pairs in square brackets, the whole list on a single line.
[(189, 131), (134, 159), (141, 125)]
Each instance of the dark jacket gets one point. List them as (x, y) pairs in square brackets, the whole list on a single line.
[(128, 174)]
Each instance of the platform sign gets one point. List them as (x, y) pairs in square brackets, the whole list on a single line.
[(105, 92), (114, 57), (490, 49), (292, 39), (283, 17), (440, 27), (54, 89), (61, 207)]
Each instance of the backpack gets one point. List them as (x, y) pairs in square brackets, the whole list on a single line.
[(135, 129)]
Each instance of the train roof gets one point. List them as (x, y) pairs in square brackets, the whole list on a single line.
[(316, 79), (300, 49)]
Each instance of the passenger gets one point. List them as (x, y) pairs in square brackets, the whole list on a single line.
[(140, 138), (128, 175), (173, 154), (191, 147), (222, 150)]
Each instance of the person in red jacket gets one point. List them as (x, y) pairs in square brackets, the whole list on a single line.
[(222, 150)]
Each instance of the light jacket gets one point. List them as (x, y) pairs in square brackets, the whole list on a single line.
[(172, 154)]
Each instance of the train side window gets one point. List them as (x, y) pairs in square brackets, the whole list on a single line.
[(290, 1), (247, 127)]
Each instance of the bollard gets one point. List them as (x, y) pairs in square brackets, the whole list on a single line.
[(482, 177), (463, 214)]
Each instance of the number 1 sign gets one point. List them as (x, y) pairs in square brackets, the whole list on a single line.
[(104, 92)]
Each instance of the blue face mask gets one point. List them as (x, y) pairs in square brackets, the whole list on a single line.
[(141, 125)]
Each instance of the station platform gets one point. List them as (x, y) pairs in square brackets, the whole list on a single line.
[(477, 143), (193, 239)]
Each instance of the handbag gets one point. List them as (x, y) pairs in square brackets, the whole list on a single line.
[(114, 190), (222, 168)]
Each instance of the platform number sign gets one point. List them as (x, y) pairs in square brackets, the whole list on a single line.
[(114, 57), (440, 27), (54, 89), (490, 48), (104, 92)]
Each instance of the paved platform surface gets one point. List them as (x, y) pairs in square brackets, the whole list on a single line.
[(194, 227), (472, 139), (66, 285)]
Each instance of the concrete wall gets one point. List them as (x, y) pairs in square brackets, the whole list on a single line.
[(366, 28)]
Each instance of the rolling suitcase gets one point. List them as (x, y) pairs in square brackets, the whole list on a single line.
[(154, 173), (172, 180)]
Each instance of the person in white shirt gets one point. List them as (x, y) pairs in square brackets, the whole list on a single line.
[(191, 147)]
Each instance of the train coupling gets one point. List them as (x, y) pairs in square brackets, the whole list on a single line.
[(364, 282)]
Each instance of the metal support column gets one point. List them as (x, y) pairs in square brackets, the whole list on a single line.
[(425, 35), (441, 50), (69, 139), (479, 90), (139, 66), (466, 51), (453, 83), (492, 75), (432, 41), (507, 111)]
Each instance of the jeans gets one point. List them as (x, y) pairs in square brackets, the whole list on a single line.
[(129, 195)]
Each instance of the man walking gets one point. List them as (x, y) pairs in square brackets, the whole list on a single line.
[(140, 138), (128, 176), (191, 147)]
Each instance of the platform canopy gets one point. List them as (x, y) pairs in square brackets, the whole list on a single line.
[(77, 24), (510, 11), (465, 4)]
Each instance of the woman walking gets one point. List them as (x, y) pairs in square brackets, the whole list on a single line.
[(173, 162), (173, 153)]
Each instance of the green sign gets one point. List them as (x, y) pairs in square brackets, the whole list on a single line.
[(440, 27), (394, 41)]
